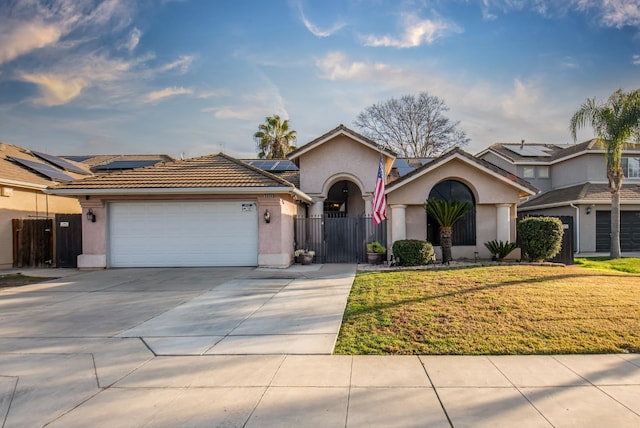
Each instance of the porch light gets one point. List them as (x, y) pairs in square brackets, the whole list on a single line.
[(267, 216), (91, 216), (588, 210)]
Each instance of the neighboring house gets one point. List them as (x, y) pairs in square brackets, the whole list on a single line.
[(573, 182), (101, 164), (24, 175), (219, 211)]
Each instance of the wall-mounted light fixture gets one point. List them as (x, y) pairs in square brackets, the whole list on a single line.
[(91, 216), (267, 216), (588, 210)]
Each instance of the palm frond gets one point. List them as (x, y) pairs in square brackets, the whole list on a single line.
[(446, 213)]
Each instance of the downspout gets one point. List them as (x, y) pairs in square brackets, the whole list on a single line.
[(577, 249)]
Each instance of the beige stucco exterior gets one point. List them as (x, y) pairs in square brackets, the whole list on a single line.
[(491, 195), (22, 202)]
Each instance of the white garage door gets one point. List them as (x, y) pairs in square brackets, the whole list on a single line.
[(185, 233)]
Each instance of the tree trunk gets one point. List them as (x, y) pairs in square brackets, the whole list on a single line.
[(615, 252), (445, 243), (615, 176)]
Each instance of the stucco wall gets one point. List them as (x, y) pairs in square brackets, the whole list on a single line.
[(498, 161), (25, 204), (590, 167), (337, 159)]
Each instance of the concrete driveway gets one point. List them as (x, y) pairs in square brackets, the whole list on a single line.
[(159, 347)]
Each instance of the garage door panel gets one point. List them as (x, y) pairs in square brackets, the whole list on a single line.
[(220, 233), (629, 231)]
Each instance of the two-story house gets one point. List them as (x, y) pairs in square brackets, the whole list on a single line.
[(573, 182)]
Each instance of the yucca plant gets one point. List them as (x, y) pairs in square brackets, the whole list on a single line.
[(446, 213), (500, 249)]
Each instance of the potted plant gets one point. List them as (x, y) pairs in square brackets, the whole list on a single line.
[(375, 252), (305, 256)]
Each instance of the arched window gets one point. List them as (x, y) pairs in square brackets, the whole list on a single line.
[(464, 231)]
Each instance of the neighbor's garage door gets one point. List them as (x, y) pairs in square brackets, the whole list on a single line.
[(629, 230), (186, 233)]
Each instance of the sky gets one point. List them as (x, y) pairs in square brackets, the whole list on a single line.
[(194, 77)]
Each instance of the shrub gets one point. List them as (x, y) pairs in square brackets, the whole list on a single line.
[(376, 247), (413, 252), (541, 237), (500, 249)]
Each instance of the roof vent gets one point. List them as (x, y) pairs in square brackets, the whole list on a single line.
[(522, 144)]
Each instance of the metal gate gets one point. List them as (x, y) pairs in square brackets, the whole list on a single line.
[(68, 237), (566, 251), (339, 239)]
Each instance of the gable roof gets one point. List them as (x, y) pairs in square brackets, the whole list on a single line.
[(506, 177), (553, 152), (14, 171), (340, 130), (213, 174), (109, 163), (581, 194)]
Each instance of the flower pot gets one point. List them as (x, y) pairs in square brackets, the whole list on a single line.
[(306, 259), (374, 258)]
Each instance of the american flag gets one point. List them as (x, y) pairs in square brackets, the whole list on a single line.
[(379, 200)]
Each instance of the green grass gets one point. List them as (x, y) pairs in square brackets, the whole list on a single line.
[(626, 264), (492, 310)]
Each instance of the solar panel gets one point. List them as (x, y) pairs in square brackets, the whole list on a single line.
[(44, 169), (528, 151), (126, 164), (61, 163), (284, 165), (77, 158)]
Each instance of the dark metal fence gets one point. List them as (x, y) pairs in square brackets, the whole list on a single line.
[(339, 239)]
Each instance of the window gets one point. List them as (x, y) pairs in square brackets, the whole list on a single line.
[(464, 231), (529, 172), (631, 166), (543, 172)]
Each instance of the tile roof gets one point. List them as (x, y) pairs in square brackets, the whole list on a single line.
[(211, 171), (481, 162), (582, 192), (13, 171), (340, 129), (98, 160), (555, 151)]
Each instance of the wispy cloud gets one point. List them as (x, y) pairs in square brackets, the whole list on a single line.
[(134, 39), (183, 63), (156, 96), (55, 90), (337, 66), (18, 38), (636, 59), (317, 31), (416, 32)]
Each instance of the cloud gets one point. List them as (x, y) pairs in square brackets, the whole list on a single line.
[(252, 107), (336, 66), (416, 32), (156, 96), (134, 39), (20, 38), (54, 89), (636, 59), (183, 63), (317, 31)]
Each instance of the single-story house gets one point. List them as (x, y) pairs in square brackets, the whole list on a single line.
[(219, 211)]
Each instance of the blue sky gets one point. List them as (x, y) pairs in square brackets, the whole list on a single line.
[(198, 76)]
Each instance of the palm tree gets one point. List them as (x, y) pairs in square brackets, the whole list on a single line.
[(446, 213), (615, 122), (273, 138)]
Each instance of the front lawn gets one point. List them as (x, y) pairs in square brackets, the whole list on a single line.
[(18, 279), (625, 264), (492, 310)]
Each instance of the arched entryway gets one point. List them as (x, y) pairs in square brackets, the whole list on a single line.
[(464, 231), (344, 199)]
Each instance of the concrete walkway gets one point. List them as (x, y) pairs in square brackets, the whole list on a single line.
[(135, 348)]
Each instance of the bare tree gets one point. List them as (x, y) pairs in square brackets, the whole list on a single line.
[(412, 126)]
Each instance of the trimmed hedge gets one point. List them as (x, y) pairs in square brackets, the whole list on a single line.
[(541, 237), (413, 252)]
